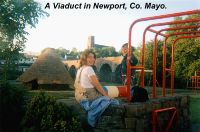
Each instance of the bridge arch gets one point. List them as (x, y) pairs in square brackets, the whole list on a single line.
[(72, 71)]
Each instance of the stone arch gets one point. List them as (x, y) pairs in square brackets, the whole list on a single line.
[(105, 73), (101, 63), (72, 71)]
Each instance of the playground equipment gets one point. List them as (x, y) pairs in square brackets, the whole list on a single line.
[(196, 78), (164, 57), (124, 91), (129, 67), (189, 34), (164, 46)]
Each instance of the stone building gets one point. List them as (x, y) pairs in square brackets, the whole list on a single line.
[(91, 43)]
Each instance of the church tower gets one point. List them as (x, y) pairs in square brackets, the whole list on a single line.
[(90, 42)]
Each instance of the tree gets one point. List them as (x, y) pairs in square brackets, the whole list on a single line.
[(15, 16), (62, 52), (187, 52), (9, 53), (74, 53), (105, 52)]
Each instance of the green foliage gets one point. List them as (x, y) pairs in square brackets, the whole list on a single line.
[(9, 52), (62, 52), (187, 51), (100, 52), (11, 107), (67, 54), (15, 16), (44, 114), (105, 52), (149, 58), (187, 54)]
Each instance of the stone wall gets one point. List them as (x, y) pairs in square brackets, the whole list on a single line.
[(136, 117)]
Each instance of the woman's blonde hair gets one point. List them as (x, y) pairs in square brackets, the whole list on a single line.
[(84, 55)]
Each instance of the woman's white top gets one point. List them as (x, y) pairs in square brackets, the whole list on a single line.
[(87, 72)]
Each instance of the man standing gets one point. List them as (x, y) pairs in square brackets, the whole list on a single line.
[(133, 61)]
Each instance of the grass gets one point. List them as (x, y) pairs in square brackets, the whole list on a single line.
[(195, 108), (56, 94)]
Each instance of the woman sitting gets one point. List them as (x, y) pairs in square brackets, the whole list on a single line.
[(88, 91)]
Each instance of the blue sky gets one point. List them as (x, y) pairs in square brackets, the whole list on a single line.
[(70, 28)]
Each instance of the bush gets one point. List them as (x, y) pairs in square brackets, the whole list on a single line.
[(44, 114), (11, 107)]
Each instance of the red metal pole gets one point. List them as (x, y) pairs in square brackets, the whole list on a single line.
[(182, 33), (155, 122), (164, 68), (154, 65), (171, 121), (143, 53)]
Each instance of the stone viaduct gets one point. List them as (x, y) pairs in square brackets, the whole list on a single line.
[(106, 68)]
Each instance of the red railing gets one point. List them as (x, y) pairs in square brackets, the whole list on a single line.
[(155, 121), (195, 82)]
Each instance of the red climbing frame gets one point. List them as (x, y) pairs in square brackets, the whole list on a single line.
[(172, 59), (129, 67), (164, 53), (164, 47)]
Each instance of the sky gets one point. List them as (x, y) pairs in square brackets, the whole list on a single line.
[(70, 28)]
